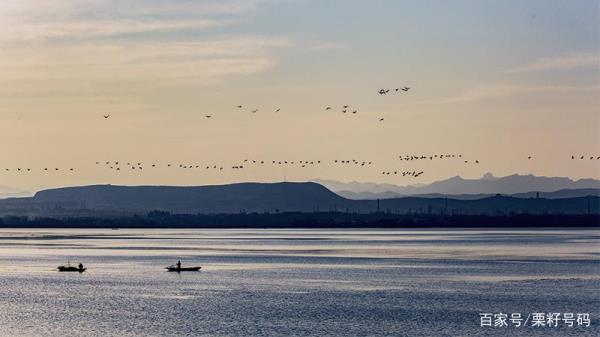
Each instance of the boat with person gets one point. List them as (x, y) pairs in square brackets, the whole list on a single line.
[(175, 268), (69, 268), (178, 268)]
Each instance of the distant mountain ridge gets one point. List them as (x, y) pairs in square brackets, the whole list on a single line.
[(242, 197), (560, 194), (487, 185), (307, 197)]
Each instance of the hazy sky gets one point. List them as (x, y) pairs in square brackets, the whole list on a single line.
[(495, 81)]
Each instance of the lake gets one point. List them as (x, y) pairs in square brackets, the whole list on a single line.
[(315, 282)]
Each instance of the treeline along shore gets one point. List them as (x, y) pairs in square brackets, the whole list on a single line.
[(281, 205), (159, 219)]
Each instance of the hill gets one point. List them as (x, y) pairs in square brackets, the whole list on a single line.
[(560, 194), (232, 198), (487, 184), (109, 200)]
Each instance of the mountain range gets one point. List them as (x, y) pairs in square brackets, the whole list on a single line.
[(560, 194), (456, 186), (309, 197)]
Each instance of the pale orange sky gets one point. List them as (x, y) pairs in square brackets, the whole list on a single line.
[(493, 82)]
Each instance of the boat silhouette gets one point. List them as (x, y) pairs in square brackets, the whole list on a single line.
[(69, 268), (178, 269)]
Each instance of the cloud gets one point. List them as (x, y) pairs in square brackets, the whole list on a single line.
[(82, 20), (63, 44), (325, 46), (487, 92), (119, 64), (79, 31), (565, 62)]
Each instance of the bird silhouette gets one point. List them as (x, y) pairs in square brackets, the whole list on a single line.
[(405, 89), (208, 116), (381, 119), (328, 108), (106, 116)]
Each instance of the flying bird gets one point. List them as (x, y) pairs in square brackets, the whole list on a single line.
[(405, 89), (105, 116)]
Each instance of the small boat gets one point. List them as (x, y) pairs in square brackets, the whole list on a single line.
[(180, 269), (69, 267)]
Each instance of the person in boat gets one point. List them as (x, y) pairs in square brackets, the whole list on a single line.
[(80, 266), (178, 264)]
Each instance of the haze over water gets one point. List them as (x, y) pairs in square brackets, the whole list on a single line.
[(294, 282)]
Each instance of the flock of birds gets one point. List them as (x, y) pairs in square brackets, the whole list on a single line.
[(437, 156), (344, 108), (430, 157), (386, 91), (242, 164), (45, 169), (404, 174), (248, 163)]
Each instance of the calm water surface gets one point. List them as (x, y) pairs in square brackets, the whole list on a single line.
[(295, 282)]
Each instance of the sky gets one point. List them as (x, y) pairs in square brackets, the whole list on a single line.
[(493, 81)]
